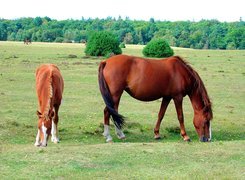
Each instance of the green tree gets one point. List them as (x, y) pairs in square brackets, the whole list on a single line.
[(38, 21), (3, 31), (148, 31), (128, 39), (102, 43), (205, 34), (49, 35), (236, 37)]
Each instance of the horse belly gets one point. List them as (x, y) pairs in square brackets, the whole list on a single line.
[(146, 97), (146, 91)]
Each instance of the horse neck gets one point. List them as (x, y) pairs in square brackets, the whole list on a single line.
[(47, 97), (196, 101), (201, 103), (198, 94), (49, 104)]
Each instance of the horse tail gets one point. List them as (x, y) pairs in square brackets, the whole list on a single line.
[(199, 86), (118, 119)]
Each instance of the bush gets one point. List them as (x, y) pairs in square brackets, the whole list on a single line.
[(59, 39), (102, 43), (231, 46), (67, 41), (158, 48)]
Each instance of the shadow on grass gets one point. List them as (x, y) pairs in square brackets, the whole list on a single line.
[(138, 133), (20, 133)]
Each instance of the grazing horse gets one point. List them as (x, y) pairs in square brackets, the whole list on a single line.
[(27, 41), (148, 80), (49, 87)]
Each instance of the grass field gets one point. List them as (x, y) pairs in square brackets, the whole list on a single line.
[(83, 153)]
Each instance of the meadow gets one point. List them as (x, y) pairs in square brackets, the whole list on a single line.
[(82, 152)]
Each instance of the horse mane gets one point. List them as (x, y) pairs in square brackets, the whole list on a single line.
[(199, 86), (50, 95)]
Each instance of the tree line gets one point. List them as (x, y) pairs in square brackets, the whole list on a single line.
[(205, 34)]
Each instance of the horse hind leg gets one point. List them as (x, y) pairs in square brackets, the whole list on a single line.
[(161, 113), (106, 132), (178, 105), (118, 131), (54, 130)]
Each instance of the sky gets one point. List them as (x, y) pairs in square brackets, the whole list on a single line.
[(171, 10)]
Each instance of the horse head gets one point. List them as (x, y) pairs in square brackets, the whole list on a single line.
[(202, 123), (44, 127)]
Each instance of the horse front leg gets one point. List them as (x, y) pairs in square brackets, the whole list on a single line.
[(178, 105), (106, 132), (38, 143), (54, 130), (161, 113)]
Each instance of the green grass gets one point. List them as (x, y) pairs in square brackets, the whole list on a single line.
[(168, 160), (83, 153)]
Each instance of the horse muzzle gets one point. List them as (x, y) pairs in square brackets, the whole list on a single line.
[(205, 139)]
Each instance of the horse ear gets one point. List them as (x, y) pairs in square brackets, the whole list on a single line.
[(39, 114)]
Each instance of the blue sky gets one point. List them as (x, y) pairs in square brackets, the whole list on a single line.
[(173, 10)]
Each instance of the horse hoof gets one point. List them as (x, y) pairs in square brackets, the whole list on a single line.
[(109, 141), (121, 136), (43, 145), (157, 137), (55, 140), (187, 140), (37, 144)]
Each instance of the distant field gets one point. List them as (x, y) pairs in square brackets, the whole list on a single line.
[(83, 153)]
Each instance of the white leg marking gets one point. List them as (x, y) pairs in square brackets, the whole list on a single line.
[(54, 137), (119, 133), (210, 132), (106, 133), (37, 143), (44, 129)]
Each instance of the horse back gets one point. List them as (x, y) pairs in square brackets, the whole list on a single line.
[(49, 84), (146, 79), (57, 84)]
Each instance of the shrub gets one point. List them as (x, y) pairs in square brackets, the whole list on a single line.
[(59, 39), (231, 46), (67, 41), (102, 43), (158, 48)]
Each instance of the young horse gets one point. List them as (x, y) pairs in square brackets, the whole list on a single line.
[(49, 87), (148, 80)]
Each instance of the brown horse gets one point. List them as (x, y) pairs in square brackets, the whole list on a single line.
[(148, 80), (49, 87), (27, 41)]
